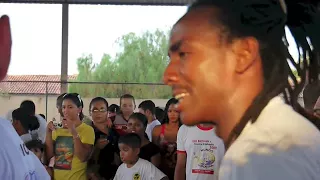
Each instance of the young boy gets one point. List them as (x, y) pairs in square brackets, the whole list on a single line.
[(37, 147), (133, 167)]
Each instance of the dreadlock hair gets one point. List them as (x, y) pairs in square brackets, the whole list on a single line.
[(311, 94), (265, 20)]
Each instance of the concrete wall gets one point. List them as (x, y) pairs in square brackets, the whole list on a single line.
[(10, 102)]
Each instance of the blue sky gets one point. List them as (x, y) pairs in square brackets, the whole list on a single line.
[(36, 32)]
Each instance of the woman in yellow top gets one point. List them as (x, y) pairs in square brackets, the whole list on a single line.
[(69, 148)]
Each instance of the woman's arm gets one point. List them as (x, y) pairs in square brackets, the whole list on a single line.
[(180, 170), (156, 134), (156, 160), (81, 150), (50, 171), (49, 143)]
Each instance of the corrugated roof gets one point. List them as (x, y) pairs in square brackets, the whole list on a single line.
[(119, 2), (37, 87)]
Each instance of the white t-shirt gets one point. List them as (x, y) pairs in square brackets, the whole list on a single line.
[(204, 151), (280, 145), (150, 127), (41, 132), (16, 161), (142, 170), (26, 137)]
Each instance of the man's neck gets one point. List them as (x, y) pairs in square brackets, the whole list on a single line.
[(236, 106), (150, 119), (126, 117), (78, 123), (173, 124), (102, 126), (103, 123)]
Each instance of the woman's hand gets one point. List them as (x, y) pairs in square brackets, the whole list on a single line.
[(50, 127), (71, 126)]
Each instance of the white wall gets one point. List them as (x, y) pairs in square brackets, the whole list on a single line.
[(10, 102)]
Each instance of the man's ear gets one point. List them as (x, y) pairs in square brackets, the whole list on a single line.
[(247, 52), (148, 112), (5, 46)]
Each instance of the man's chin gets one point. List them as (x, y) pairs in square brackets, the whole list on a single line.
[(190, 120)]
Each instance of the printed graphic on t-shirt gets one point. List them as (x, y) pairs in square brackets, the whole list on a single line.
[(64, 152), (136, 176), (203, 157), (32, 175)]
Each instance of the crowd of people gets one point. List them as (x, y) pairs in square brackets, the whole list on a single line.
[(113, 139), (234, 85), (115, 142)]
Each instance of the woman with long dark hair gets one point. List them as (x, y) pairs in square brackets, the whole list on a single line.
[(106, 143), (165, 136), (70, 146), (230, 64)]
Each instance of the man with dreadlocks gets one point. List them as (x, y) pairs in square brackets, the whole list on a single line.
[(234, 53)]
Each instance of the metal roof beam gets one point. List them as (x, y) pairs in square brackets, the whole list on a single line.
[(110, 2)]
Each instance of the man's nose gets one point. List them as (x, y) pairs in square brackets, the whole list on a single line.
[(170, 75)]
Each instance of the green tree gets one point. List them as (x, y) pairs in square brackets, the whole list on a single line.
[(141, 59)]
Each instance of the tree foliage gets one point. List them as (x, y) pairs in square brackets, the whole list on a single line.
[(141, 59)]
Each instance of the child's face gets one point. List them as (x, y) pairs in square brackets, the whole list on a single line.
[(128, 154), (135, 126), (127, 106)]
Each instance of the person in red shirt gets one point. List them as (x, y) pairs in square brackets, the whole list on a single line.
[(127, 106)]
